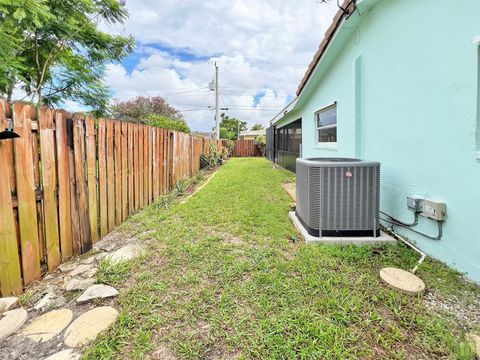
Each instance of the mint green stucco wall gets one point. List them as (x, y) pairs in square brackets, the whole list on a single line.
[(405, 78)]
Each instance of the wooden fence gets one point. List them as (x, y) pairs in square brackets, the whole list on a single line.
[(67, 181), (245, 148)]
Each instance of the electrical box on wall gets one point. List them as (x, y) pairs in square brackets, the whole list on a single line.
[(415, 203), (434, 210)]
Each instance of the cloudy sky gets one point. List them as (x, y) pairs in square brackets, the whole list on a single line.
[(262, 48)]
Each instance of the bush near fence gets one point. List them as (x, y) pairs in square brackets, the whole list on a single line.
[(69, 180)]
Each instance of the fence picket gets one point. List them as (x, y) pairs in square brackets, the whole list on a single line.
[(118, 171), (91, 154), (64, 217), (27, 210), (81, 189), (131, 186), (110, 177), (49, 181), (102, 176), (10, 273), (124, 171)]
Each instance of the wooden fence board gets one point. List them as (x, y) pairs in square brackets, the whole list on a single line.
[(31, 113), (162, 161), (102, 176), (110, 177), (131, 186), (136, 149), (151, 147), (124, 171), (141, 161), (27, 211), (154, 164), (118, 171), (91, 154), (10, 272), (64, 199), (81, 190), (76, 241), (49, 181), (146, 166)]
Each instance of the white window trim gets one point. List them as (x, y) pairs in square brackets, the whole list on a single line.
[(325, 145)]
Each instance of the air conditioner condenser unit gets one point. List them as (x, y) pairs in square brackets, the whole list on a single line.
[(338, 197)]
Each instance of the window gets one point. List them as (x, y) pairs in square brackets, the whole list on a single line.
[(326, 124)]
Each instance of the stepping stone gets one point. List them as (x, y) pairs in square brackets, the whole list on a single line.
[(402, 280), (69, 266), (89, 260), (87, 326), (45, 302), (78, 284), (475, 341), (106, 247), (64, 355), (125, 253), (91, 273), (7, 302), (80, 269), (98, 291), (11, 321), (49, 325)]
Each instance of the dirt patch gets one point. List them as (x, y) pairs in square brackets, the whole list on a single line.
[(290, 188), (163, 352)]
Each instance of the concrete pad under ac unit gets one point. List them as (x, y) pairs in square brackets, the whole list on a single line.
[(382, 239)]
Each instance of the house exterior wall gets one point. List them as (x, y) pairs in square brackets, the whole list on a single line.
[(406, 86)]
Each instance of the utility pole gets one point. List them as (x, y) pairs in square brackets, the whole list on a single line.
[(217, 121)]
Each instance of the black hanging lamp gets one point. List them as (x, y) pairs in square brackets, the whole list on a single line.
[(9, 133)]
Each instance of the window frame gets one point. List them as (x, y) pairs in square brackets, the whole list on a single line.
[(326, 127)]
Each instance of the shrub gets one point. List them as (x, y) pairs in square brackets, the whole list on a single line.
[(261, 142)]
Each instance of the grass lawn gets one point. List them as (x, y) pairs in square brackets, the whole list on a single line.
[(223, 278)]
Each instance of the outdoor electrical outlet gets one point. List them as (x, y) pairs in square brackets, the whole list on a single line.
[(434, 210), (415, 204)]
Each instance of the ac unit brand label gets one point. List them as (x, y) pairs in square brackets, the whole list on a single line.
[(348, 174)]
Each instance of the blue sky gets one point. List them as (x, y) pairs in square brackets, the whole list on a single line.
[(262, 48)]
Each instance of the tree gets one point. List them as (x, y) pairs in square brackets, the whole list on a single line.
[(229, 127), (168, 123), (56, 51), (141, 108), (257, 127)]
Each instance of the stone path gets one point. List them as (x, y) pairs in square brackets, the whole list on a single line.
[(68, 309)]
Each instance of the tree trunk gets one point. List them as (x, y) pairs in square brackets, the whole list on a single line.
[(10, 92)]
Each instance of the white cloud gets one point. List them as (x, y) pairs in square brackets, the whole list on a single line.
[(262, 46)]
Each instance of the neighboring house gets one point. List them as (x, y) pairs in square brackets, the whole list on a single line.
[(398, 81), (207, 134), (250, 134)]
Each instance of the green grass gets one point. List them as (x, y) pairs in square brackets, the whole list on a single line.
[(222, 279)]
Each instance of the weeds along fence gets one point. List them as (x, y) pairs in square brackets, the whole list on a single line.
[(68, 180)]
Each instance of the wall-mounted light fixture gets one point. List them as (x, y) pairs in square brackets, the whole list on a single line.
[(9, 133)]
